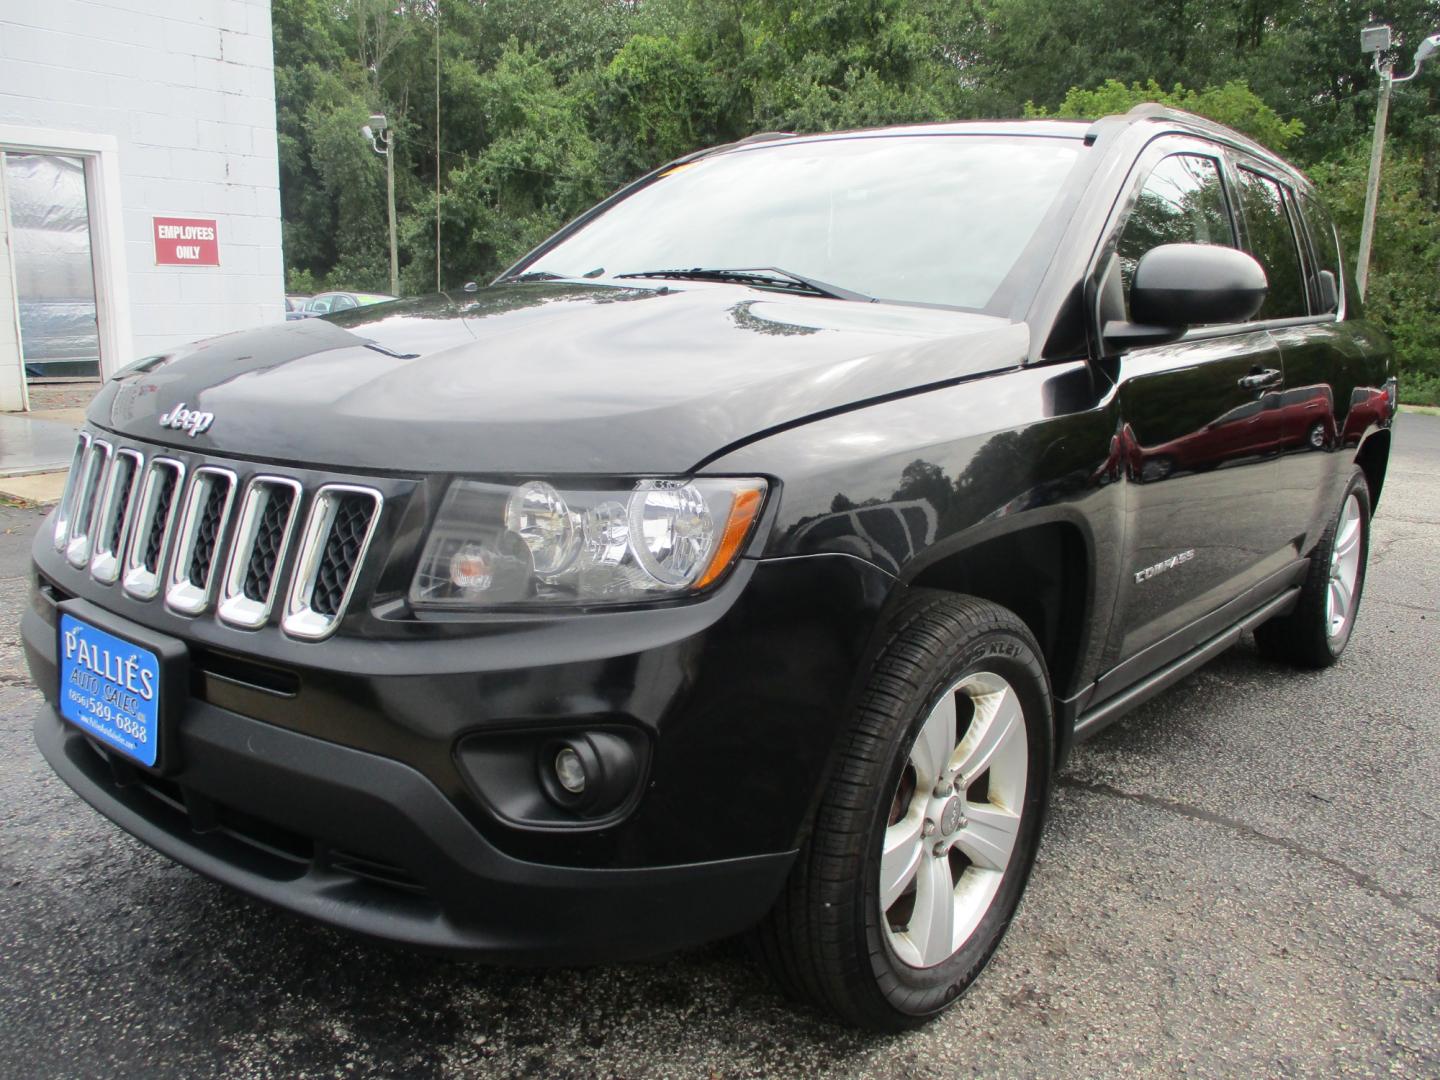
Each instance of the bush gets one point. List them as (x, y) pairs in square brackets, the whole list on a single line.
[(1420, 389)]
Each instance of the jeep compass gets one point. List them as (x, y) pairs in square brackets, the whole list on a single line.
[(746, 558)]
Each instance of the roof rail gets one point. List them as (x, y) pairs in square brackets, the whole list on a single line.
[(764, 136), (1152, 110)]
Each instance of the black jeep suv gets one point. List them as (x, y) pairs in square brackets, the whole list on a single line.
[(747, 557)]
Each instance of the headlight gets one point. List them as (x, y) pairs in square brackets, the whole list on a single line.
[(495, 544)]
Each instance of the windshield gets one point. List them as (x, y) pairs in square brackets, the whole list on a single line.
[(937, 219)]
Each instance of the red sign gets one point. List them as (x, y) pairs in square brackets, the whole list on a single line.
[(183, 241)]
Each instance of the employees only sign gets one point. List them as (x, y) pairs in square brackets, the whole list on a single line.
[(186, 242)]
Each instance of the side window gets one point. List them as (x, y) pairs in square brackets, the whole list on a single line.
[(1272, 241), (342, 303), (1182, 202), (1327, 252)]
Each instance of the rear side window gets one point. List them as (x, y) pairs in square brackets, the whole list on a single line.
[(1327, 250), (1182, 202), (1272, 241)]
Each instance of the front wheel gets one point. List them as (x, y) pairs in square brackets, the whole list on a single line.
[(1316, 632), (925, 837)]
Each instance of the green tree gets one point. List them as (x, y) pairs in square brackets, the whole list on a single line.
[(1233, 105)]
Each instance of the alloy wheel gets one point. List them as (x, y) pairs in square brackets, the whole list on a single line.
[(954, 820), (1345, 556)]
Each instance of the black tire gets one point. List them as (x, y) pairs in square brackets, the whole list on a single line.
[(1303, 637), (824, 939)]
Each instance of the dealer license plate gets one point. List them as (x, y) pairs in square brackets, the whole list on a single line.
[(110, 688)]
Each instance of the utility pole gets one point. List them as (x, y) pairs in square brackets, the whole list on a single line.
[(437, 145), (1377, 40), (382, 141), (390, 205)]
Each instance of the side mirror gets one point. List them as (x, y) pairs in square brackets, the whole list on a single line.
[(1177, 286), (1329, 291)]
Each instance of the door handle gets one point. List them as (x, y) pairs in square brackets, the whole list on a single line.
[(1260, 379)]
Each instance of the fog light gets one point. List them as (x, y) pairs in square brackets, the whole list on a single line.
[(570, 771), (589, 773)]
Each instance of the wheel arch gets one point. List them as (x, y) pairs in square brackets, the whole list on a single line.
[(1373, 458), (1041, 567)]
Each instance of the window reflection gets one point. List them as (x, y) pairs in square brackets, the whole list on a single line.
[(933, 219)]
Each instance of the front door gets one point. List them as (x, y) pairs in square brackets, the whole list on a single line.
[(1201, 423)]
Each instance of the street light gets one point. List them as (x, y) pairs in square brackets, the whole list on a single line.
[(1377, 40), (382, 139)]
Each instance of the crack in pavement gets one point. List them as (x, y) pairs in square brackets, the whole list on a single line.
[(1358, 878)]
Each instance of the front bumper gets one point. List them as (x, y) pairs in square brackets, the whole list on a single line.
[(367, 821), (339, 794)]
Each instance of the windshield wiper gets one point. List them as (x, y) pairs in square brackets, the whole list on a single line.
[(764, 277), (535, 275)]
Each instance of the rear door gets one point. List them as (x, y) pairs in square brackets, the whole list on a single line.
[(1200, 419), (1292, 236)]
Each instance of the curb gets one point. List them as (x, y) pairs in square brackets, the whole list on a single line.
[(36, 491)]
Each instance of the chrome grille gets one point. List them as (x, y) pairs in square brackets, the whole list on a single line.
[(336, 536), (207, 510), (267, 519), (138, 521), (157, 535), (112, 525), (88, 488), (152, 525), (66, 511)]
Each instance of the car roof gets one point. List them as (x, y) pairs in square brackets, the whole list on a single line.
[(1148, 113)]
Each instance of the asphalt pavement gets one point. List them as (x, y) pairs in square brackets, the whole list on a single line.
[(1240, 878)]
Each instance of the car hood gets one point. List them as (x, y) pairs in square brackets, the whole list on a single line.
[(546, 377)]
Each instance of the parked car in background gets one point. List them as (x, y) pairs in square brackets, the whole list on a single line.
[(295, 307), (748, 557), (327, 303)]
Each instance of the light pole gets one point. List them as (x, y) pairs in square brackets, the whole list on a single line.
[(1376, 40), (382, 139)]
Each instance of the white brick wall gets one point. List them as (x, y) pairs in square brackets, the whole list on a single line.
[(187, 89)]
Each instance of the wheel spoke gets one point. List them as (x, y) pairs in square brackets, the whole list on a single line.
[(935, 744), (1339, 601), (989, 836), (932, 926), (899, 858), (989, 734), (1348, 540)]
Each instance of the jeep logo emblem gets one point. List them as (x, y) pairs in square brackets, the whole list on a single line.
[(192, 420)]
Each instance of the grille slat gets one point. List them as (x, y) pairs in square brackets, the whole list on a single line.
[(336, 535), (207, 535), (65, 514), (267, 521), (270, 535), (151, 523), (122, 505), (116, 505), (201, 532), (160, 522), (89, 490), (342, 551)]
